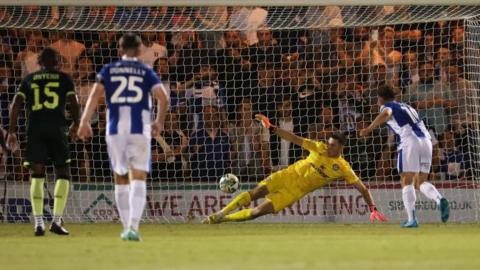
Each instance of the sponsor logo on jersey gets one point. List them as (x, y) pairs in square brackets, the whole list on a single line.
[(320, 171)]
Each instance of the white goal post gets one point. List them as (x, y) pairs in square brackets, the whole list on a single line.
[(312, 66)]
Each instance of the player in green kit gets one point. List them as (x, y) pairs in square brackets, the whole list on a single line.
[(45, 93)]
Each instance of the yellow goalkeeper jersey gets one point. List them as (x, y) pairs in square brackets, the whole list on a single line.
[(318, 169)]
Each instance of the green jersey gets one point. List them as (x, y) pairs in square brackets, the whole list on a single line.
[(45, 93)]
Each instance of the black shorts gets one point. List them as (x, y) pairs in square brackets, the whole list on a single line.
[(47, 144)]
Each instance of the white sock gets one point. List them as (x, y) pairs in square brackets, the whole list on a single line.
[(409, 198), (138, 198), (39, 221), (430, 191), (57, 219), (122, 198)]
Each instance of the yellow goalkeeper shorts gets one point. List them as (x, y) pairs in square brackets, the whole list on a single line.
[(283, 189)]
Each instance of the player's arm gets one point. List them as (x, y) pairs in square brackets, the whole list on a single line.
[(92, 102), (381, 118), (15, 108), (351, 178), (85, 129), (289, 136), (282, 133), (367, 196), (161, 96)]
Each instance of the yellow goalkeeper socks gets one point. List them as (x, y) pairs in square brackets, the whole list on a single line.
[(242, 215), (243, 199), (36, 196), (62, 187)]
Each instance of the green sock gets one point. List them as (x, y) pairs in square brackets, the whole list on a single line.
[(242, 215), (243, 199), (62, 187), (36, 196)]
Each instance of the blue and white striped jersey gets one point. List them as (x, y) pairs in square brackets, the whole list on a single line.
[(128, 84), (404, 121)]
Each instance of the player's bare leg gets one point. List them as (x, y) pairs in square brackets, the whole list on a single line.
[(243, 199), (137, 201), (122, 197), (264, 208), (62, 187), (409, 198), (431, 192), (37, 195)]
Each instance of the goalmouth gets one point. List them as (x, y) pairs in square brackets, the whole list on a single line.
[(312, 66)]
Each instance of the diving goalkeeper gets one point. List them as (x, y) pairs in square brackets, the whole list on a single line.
[(281, 189)]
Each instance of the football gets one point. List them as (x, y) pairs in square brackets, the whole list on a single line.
[(229, 183)]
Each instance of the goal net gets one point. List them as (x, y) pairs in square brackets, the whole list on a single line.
[(314, 70)]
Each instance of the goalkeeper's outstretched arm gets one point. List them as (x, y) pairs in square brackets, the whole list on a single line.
[(367, 196), (289, 136), (282, 133)]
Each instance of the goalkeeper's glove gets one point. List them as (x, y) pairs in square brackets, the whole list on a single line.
[(265, 122), (375, 215)]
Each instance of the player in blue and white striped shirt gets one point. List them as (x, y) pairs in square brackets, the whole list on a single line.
[(414, 152), (128, 85)]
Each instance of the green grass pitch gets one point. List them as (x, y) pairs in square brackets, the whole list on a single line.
[(244, 246)]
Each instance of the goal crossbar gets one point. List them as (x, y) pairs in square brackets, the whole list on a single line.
[(194, 3), (299, 18)]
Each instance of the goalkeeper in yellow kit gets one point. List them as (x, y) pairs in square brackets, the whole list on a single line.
[(281, 189)]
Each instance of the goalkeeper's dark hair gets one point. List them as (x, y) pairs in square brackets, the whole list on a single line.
[(340, 138), (130, 41), (386, 92), (48, 58)]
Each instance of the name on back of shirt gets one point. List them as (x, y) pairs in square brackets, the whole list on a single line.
[(130, 70), (46, 76)]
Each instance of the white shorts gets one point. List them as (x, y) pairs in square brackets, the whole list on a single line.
[(415, 155), (131, 151)]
